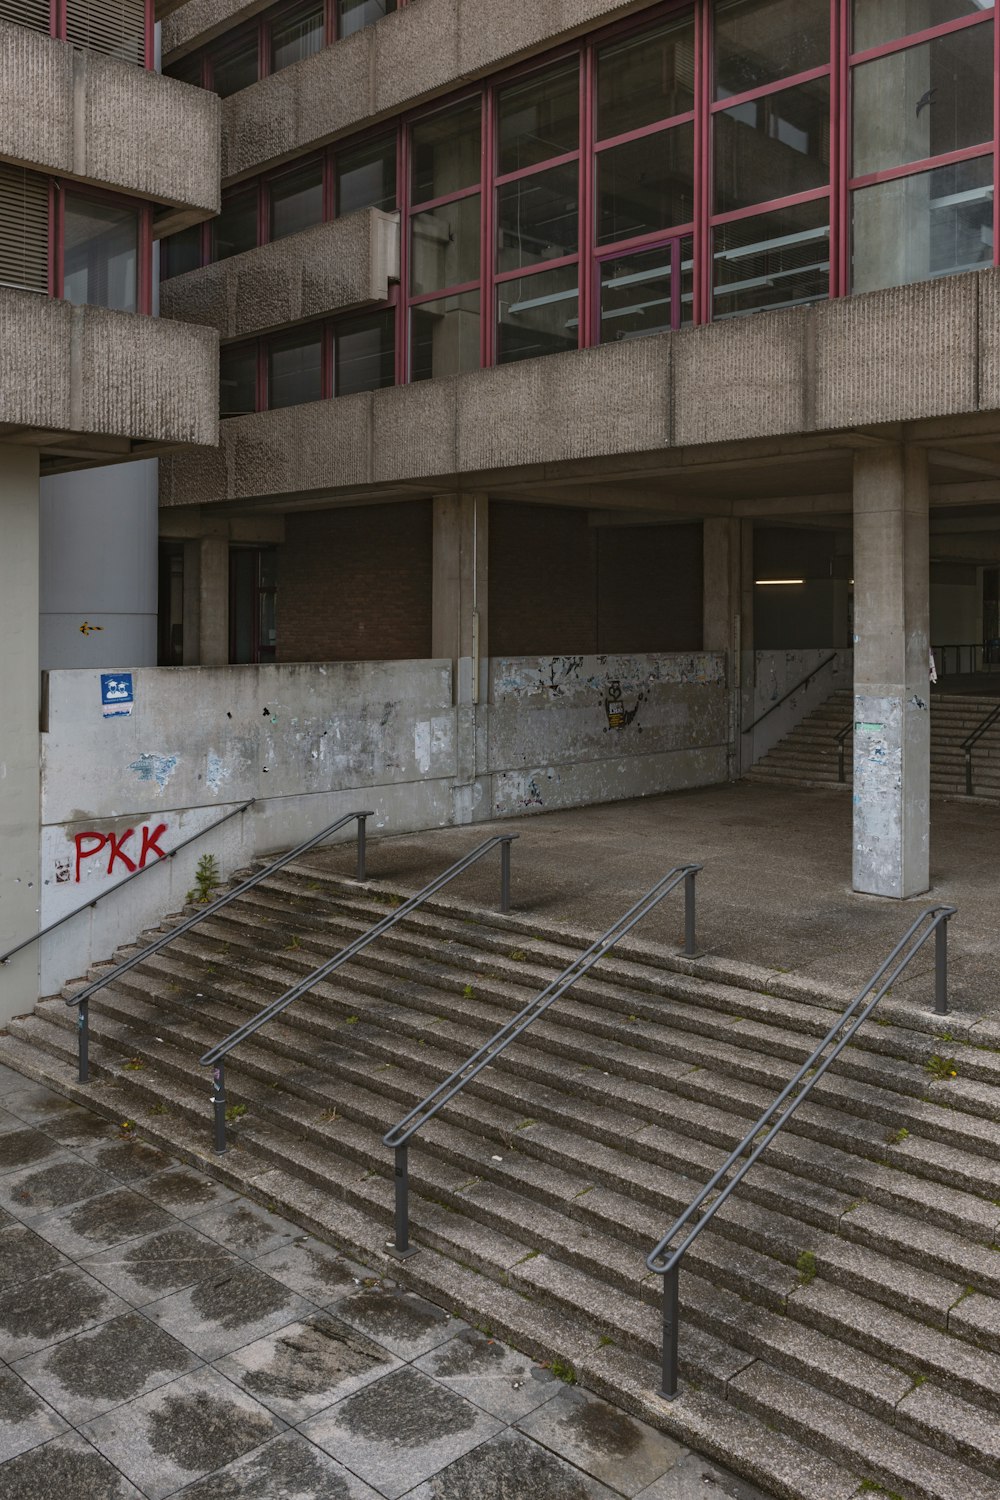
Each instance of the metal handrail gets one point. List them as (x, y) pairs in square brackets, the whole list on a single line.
[(791, 691), (215, 1056), (398, 1138), (841, 739), (87, 905), (82, 998), (970, 742), (669, 1268)]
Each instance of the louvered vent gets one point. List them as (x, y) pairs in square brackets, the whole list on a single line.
[(24, 229), (33, 13), (117, 27)]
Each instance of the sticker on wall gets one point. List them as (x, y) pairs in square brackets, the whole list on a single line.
[(116, 694)]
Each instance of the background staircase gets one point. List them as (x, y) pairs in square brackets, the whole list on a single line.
[(841, 1319), (808, 755)]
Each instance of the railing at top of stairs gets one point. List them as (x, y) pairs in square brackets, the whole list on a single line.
[(792, 691), (970, 742), (841, 739)]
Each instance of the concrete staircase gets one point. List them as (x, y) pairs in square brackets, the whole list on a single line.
[(808, 755), (841, 1319)]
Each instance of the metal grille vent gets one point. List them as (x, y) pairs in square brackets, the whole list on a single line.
[(33, 13), (115, 27), (24, 229)]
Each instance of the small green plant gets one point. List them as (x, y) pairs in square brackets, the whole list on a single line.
[(126, 1127), (944, 1036), (941, 1067), (518, 955), (206, 880), (897, 1137), (134, 1064), (351, 1021), (294, 941), (872, 1487), (158, 1109), (328, 1116), (468, 993), (806, 1267), (604, 1341), (562, 1370), (235, 1112)]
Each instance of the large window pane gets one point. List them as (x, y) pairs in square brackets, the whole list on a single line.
[(180, 252), (366, 176), (444, 337), (295, 363), (772, 147), (929, 224), (876, 21), (235, 69), (363, 353), (537, 315), (537, 218), (296, 35), (539, 117), (445, 152), (645, 78), (760, 41), (444, 246), (645, 185), (924, 101), (101, 253), (237, 380), (353, 14), (776, 260), (235, 229), (647, 292), (296, 200)]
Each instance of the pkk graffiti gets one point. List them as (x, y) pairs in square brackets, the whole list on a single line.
[(90, 844)]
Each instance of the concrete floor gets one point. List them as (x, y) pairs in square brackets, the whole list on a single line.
[(775, 891)]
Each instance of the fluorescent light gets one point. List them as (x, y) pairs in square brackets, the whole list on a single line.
[(774, 581)]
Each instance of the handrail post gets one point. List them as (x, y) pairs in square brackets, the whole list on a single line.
[(219, 1106), (968, 771), (361, 845), (83, 1040), (505, 875), (671, 1310), (401, 1247), (690, 945), (941, 968)]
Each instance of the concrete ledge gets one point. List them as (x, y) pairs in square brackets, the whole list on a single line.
[(103, 121), (87, 370), (346, 264)]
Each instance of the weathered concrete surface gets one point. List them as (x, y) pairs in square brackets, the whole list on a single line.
[(772, 674), (100, 120), (330, 268), (113, 374)]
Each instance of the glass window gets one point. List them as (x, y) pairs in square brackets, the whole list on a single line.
[(444, 337), (780, 259), (101, 253), (645, 184), (647, 292), (295, 368), (237, 379), (188, 70), (297, 200), (772, 147), (445, 152), (539, 117), (760, 41), (537, 315), (253, 577), (235, 69), (353, 14), (297, 34), (364, 353), (235, 229), (537, 218), (928, 224), (444, 246), (876, 22), (180, 252), (924, 101), (645, 78), (366, 176)]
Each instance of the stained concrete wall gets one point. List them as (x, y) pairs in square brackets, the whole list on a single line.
[(327, 269), (772, 674), (100, 120), (91, 370)]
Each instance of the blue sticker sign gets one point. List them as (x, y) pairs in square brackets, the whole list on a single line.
[(116, 694)]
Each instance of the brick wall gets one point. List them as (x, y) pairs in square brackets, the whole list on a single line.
[(650, 585), (355, 584)]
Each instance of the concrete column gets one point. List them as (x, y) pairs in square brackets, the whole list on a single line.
[(19, 783), (722, 562), (213, 601), (891, 688), (459, 631)]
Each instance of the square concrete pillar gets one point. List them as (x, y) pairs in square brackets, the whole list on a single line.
[(459, 631), (891, 673), (19, 737), (213, 601)]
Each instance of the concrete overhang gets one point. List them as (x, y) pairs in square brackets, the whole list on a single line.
[(96, 119), (348, 263), (87, 385), (920, 358)]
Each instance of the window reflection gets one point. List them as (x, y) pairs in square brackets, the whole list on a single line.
[(444, 337), (773, 260), (297, 34), (445, 152), (645, 78), (649, 291), (876, 22), (537, 315), (929, 224), (295, 368), (366, 176), (364, 353), (760, 41), (537, 218), (645, 185), (445, 246), (237, 380), (539, 117), (101, 253), (235, 229), (296, 200), (772, 147), (353, 14)]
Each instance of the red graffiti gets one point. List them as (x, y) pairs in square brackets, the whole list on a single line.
[(90, 844)]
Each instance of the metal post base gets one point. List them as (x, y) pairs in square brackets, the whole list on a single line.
[(402, 1254), (667, 1396)]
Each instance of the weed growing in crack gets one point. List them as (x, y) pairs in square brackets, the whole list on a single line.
[(942, 1068), (897, 1137), (806, 1267)]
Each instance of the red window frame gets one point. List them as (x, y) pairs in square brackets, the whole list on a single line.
[(58, 188), (57, 28)]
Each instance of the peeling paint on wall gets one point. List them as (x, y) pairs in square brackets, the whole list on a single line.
[(217, 772), (158, 768)]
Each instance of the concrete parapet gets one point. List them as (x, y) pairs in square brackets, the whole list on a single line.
[(100, 120), (330, 268)]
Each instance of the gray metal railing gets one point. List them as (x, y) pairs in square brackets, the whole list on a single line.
[(82, 997), (216, 1056), (842, 1032), (791, 691), (398, 1139), (970, 742), (103, 895), (841, 738)]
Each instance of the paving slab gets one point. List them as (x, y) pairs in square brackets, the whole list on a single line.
[(287, 1468), (149, 1269), (24, 1256), (181, 1432), (185, 1191), (314, 1270), (58, 1182), (406, 1324), (246, 1229), (33, 1103), (503, 1382), (9, 1121), (61, 1304), (223, 1313), (695, 1478), (99, 1223), (25, 1419), (10, 1082), (606, 1443), (68, 1468), (306, 1367), (24, 1146), (128, 1160), (77, 1127), (400, 1430), (511, 1467)]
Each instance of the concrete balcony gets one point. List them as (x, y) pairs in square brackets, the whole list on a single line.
[(84, 384), (330, 268), (99, 120)]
